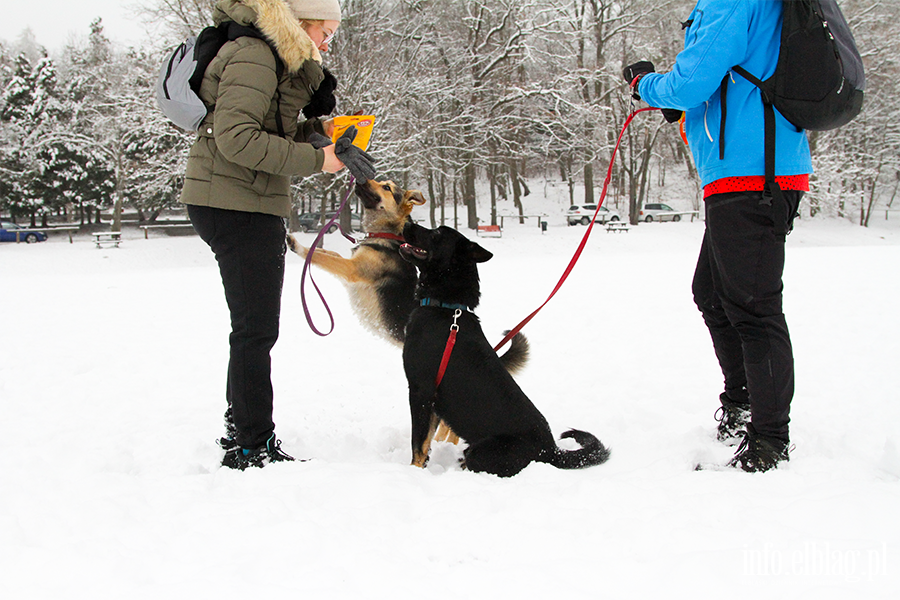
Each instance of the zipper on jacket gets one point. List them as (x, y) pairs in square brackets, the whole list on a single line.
[(706, 125)]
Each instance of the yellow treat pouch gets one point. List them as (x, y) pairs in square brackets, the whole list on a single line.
[(364, 124)]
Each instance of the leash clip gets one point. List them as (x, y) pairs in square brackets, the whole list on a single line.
[(456, 314)]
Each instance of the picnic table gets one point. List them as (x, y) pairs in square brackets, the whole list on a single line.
[(113, 238), (536, 216), (147, 228)]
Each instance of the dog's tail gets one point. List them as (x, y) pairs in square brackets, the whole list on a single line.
[(591, 453), (516, 357)]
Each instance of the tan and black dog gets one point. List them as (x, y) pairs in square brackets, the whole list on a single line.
[(380, 283)]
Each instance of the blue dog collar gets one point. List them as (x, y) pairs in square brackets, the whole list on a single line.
[(433, 302)]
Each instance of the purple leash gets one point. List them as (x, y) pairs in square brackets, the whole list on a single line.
[(308, 262)]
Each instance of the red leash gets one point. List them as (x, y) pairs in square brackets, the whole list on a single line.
[(448, 349), (584, 240)]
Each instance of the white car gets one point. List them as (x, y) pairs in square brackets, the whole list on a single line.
[(583, 213), (659, 212)]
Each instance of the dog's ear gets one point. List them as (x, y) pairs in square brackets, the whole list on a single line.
[(479, 254), (414, 197)]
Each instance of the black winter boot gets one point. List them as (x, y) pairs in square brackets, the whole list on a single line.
[(241, 458), (733, 418), (227, 442), (759, 453)]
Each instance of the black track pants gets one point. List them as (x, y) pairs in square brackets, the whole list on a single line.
[(250, 249), (738, 288)]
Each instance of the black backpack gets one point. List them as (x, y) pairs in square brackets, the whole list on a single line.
[(178, 84), (819, 81)]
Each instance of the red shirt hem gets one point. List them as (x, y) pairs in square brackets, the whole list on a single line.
[(755, 183)]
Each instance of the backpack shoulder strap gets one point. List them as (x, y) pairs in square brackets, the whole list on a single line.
[(208, 43), (749, 77), (279, 71), (771, 190)]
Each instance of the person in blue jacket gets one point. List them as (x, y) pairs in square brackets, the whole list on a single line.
[(738, 280)]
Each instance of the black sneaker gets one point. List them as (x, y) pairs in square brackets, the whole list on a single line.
[(733, 418), (241, 458), (759, 453)]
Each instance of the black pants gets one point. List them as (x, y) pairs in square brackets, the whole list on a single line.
[(249, 248), (738, 288)]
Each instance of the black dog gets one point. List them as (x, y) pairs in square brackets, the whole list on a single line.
[(477, 396)]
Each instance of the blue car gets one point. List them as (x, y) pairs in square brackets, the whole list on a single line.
[(8, 232)]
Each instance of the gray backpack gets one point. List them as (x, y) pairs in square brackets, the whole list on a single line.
[(174, 95), (178, 83)]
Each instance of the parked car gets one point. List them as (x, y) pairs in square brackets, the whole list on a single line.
[(8, 234), (583, 213), (659, 212), (311, 222)]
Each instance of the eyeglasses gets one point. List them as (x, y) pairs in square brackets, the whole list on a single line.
[(328, 36)]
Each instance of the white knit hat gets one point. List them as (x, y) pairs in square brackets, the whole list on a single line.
[(325, 10)]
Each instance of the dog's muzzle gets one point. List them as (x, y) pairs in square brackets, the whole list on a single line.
[(409, 251)]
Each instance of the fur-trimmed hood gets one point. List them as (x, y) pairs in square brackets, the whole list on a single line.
[(276, 21)]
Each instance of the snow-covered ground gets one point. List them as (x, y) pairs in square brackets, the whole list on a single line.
[(112, 372)]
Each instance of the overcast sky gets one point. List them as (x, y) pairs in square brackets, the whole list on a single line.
[(53, 21)]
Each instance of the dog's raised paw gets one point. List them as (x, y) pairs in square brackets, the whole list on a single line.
[(295, 246)]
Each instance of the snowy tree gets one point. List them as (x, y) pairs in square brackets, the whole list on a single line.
[(179, 18), (29, 105), (859, 164), (108, 102), (155, 149), (506, 90)]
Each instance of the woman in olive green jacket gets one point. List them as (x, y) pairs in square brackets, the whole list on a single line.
[(237, 188)]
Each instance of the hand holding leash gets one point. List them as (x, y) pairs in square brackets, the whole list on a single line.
[(672, 115), (633, 74)]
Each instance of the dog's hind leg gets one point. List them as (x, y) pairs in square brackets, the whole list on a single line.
[(445, 434), (502, 456)]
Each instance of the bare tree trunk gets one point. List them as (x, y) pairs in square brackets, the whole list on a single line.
[(456, 196), (431, 198), (443, 184), (588, 183), (469, 196), (516, 184), (492, 177), (118, 195)]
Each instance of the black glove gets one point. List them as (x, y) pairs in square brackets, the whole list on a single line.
[(672, 115), (360, 163), (632, 72), (323, 101)]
